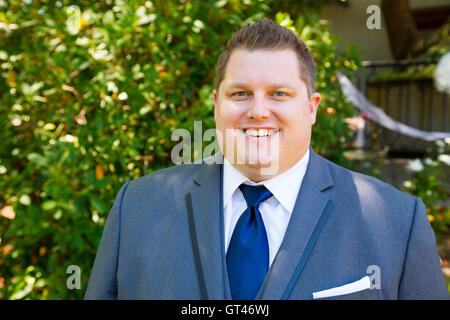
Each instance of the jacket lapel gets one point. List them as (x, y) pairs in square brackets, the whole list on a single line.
[(309, 215), (206, 225)]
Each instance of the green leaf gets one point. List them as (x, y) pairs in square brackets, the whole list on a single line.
[(23, 288), (49, 205), (37, 159), (98, 203), (102, 183)]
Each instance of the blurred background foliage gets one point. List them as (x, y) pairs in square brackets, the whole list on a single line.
[(89, 97)]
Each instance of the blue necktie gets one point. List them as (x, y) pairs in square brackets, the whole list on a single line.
[(248, 252)]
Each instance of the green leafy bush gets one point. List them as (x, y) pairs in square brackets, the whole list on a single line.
[(431, 183), (89, 97)]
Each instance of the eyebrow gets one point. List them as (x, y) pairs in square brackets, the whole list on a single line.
[(272, 86)]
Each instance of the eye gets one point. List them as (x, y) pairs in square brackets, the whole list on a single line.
[(239, 94), (279, 94)]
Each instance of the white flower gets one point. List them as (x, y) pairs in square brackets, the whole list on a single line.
[(69, 138), (442, 74), (73, 22), (112, 86), (82, 41), (144, 18), (415, 165), (100, 54), (16, 121), (123, 96), (25, 199), (199, 24), (445, 158)]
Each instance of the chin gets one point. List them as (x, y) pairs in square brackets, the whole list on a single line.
[(257, 174), (259, 163), (263, 167)]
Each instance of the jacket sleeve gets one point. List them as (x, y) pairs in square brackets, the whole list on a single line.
[(422, 273), (103, 282)]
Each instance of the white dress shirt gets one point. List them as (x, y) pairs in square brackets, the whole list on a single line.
[(275, 211)]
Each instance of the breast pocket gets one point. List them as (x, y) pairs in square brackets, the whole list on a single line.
[(357, 290)]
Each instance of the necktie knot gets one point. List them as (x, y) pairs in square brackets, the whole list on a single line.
[(254, 195)]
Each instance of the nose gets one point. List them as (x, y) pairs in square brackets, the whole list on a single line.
[(258, 108)]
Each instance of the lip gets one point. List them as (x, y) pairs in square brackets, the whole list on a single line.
[(256, 127), (242, 131)]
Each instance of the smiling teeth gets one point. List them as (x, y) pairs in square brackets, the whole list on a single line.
[(260, 132)]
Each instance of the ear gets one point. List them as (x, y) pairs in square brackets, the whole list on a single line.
[(313, 105), (215, 103)]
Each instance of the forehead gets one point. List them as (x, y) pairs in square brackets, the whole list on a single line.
[(262, 67)]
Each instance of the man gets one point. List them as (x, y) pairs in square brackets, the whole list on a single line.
[(275, 220)]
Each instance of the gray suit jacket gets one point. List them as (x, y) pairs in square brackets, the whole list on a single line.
[(163, 239)]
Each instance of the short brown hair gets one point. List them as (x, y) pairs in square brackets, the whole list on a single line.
[(266, 34)]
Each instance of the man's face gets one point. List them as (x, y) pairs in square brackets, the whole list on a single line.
[(263, 90)]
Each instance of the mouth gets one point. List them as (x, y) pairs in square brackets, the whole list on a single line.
[(260, 132)]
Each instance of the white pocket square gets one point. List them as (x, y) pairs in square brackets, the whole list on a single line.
[(360, 285)]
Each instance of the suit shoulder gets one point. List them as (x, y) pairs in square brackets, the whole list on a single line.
[(179, 174), (373, 190), (364, 181), (383, 206)]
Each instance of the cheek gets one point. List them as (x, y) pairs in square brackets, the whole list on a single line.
[(227, 115), (289, 115), (294, 120)]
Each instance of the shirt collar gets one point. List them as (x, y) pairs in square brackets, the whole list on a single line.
[(284, 187)]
